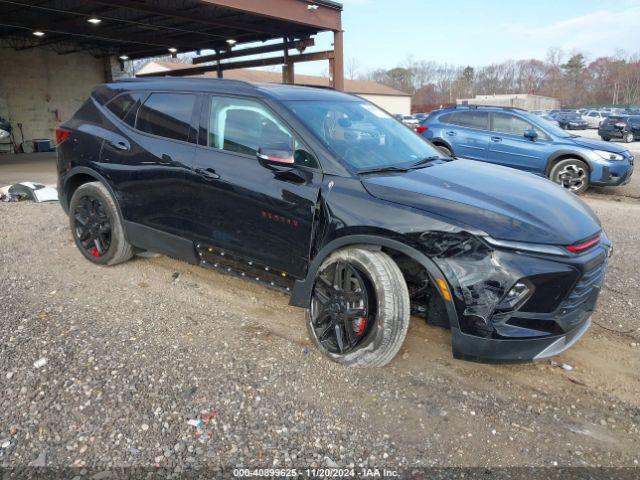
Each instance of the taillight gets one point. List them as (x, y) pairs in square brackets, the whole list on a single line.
[(61, 135), (581, 247), (422, 128)]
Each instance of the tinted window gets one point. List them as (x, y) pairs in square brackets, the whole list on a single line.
[(446, 118), (243, 126), (614, 120), (479, 120), (167, 115), (120, 105)]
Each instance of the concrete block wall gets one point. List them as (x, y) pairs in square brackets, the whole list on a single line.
[(36, 83)]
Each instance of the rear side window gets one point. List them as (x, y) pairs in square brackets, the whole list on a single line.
[(614, 120), (125, 103), (446, 118), (167, 115), (477, 120)]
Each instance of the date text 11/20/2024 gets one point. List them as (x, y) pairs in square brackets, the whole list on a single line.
[(315, 472)]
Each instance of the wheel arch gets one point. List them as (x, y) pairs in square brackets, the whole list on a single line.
[(302, 289), (564, 155), (441, 142), (77, 177)]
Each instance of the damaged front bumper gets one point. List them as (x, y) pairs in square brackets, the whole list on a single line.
[(513, 350), (519, 304)]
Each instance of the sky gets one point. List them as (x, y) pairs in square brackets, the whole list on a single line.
[(384, 33)]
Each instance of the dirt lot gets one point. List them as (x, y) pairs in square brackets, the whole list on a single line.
[(135, 351)]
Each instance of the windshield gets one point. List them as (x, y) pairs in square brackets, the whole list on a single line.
[(363, 135)]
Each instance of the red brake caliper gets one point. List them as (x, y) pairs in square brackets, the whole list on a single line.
[(94, 252), (360, 324)]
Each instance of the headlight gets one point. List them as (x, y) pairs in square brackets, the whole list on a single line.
[(608, 155), (517, 296)]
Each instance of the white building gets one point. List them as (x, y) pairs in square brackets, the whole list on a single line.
[(519, 100), (387, 98)]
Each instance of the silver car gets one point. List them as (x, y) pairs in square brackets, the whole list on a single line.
[(594, 118)]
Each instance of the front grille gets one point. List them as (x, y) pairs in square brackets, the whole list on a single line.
[(590, 280)]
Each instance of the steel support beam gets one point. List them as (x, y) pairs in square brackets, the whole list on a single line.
[(261, 62), (336, 65), (300, 45), (324, 17)]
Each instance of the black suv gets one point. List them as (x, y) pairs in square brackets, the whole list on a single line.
[(626, 127), (570, 121), (325, 196)]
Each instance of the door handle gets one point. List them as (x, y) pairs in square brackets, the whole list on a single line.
[(496, 139), (208, 173), (451, 133), (120, 144)]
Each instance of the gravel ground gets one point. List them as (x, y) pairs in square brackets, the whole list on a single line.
[(105, 367)]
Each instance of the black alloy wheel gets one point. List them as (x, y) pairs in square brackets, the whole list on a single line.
[(342, 308), (92, 226)]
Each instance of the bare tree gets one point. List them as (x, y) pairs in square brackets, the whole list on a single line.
[(352, 68)]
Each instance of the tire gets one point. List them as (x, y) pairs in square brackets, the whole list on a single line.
[(606, 139), (628, 137), (572, 174), (444, 149), (92, 204), (388, 309)]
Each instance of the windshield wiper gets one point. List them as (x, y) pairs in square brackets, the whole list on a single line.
[(395, 168), (425, 161), (390, 168)]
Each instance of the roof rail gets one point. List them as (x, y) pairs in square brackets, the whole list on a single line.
[(474, 106), (175, 78), (326, 87)]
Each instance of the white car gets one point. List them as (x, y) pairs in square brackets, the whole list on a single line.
[(410, 121), (594, 118)]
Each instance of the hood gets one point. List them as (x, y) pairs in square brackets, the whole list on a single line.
[(505, 203), (598, 145)]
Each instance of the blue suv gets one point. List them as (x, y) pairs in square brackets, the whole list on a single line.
[(516, 138)]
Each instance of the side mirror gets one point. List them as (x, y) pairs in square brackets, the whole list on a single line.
[(531, 135), (277, 157)]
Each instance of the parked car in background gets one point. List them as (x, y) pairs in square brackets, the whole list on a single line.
[(594, 118), (420, 116), (271, 183), (570, 121), (410, 121), (539, 112), (620, 126), (519, 139), (550, 119)]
